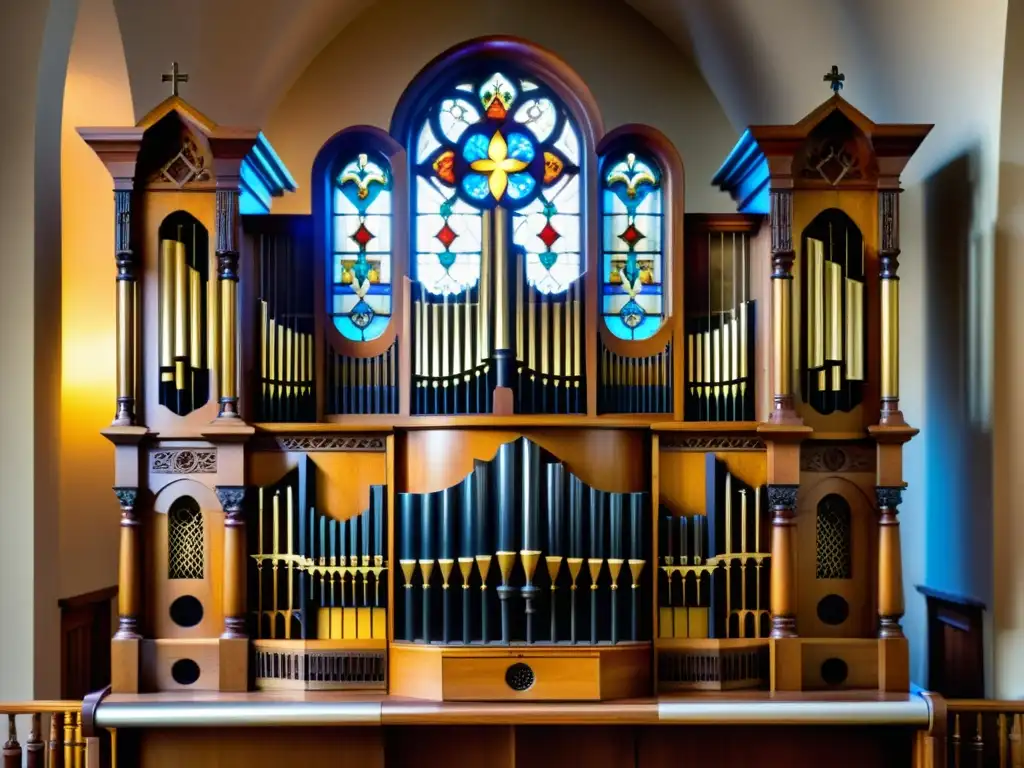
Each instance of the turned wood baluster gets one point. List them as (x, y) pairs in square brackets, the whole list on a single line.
[(69, 740), (53, 746), (12, 749), (978, 743), (955, 741), (34, 745)]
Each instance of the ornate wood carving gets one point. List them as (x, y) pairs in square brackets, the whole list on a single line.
[(349, 443), (227, 228), (183, 461), (889, 497), (782, 496), (188, 166), (888, 222), (122, 234), (231, 498), (677, 442), (837, 458), (782, 233), (834, 159)]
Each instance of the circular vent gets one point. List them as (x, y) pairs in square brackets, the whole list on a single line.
[(833, 610), (186, 611), (185, 671), (519, 677), (834, 671)]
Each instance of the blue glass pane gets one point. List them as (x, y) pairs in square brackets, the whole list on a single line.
[(520, 185), (476, 187), (476, 148), (520, 147)]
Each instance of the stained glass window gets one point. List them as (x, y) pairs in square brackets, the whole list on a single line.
[(360, 300), (498, 141), (632, 299)]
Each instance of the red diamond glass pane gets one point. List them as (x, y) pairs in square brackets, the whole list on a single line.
[(548, 235), (631, 236), (447, 235), (362, 235)]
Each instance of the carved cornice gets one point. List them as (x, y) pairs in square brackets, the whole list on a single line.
[(782, 496), (889, 497), (830, 457), (309, 443), (183, 461), (684, 442)]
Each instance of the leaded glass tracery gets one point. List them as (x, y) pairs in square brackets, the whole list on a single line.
[(501, 141), (360, 302), (632, 291)]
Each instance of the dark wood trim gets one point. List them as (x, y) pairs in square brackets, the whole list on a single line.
[(956, 646), (88, 598), (950, 597)]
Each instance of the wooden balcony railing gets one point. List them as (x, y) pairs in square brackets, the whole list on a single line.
[(983, 733), (54, 738)]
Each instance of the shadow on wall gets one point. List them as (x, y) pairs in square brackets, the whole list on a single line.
[(958, 439)]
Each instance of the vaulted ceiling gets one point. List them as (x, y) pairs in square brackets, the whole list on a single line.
[(906, 60)]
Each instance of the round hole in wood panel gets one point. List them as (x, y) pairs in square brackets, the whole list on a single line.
[(185, 671), (834, 671), (833, 610), (186, 611), (519, 677)]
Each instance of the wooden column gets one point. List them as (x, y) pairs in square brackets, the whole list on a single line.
[(781, 216), (129, 576), (227, 275), (232, 499), (889, 287), (890, 564), (126, 297), (782, 500)]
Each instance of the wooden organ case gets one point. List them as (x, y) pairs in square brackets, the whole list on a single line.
[(497, 421)]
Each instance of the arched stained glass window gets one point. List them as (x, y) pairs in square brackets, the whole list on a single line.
[(500, 141), (360, 299), (632, 238)]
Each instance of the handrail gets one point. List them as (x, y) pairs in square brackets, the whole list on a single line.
[(33, 707), (1005, 706)]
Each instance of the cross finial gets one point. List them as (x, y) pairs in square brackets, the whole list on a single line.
[(835, 79), (175, 77)]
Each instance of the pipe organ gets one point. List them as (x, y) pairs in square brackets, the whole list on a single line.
[(606, 447)]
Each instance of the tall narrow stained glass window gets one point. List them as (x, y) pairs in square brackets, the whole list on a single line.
[(360, 301), (497, 142), (632, 241)]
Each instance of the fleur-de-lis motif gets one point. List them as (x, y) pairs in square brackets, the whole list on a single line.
[(363, 175), (632, 174)]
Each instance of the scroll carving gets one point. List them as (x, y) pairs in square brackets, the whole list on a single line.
[(837, 458), (183, 461), (670, 442), (347, 443)]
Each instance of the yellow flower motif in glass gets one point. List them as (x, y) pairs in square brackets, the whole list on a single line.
[(498, 165)]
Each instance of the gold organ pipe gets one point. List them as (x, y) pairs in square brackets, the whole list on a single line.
[(228, 341), (568, 329), (421, 331), (166, 308), (435, 347), (499, 236), (577, 361), (854, 330), (195, 305), (545, 312), (213, 329), (520, 294), (834, 311), (445, 339), (726, 349), (532, 325), (180, 302), (556, 325), (815, 303), (467, 326), (743, 340), (282, 374), (690, 362), (264, 323), (486, 255), (456, 340)]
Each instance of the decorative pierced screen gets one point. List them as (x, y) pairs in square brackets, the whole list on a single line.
[(185, 540), (834, 543)]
